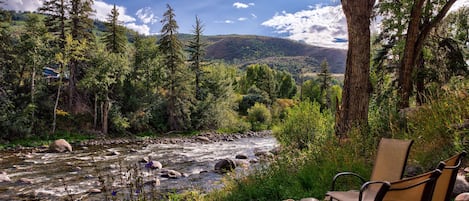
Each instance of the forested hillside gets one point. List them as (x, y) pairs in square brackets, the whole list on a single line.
[(276, 52)]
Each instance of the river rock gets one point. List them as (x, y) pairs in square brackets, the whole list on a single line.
[(461, 185), (144, 160), (172, 174), (25, 181), (113, 153), (225, 165), (241, 156), (94, 190), (155, 165), (4, 177), (60, 146), (203, 138), (462, 197)]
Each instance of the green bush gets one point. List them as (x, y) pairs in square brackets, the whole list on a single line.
[(305, 124), (259, 116)]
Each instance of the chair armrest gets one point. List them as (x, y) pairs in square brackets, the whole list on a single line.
[(384, 188), (363, 180)]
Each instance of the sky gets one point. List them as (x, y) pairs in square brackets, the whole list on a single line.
[(316, 22)]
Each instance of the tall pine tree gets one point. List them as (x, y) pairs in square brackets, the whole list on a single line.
[(196, 49), (179, 95), (81, 26), (115, 38), (56, 12)]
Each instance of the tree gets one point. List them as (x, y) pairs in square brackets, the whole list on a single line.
[(110, 71), (357, 87), (196, 49), (325, 80), (115, 38), (424, 16), (179, 94), (81, 26), (57, 18), (73, 50), (34, 48), (286, 85)]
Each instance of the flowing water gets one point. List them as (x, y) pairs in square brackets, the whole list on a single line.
[(61, 176)]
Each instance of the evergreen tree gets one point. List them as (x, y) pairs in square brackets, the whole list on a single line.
[(81, 26), (196, 49), (179, 95), (325, 80), (56, 12), (115, 38), (81, 22)]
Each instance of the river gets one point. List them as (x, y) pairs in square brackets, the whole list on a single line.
[(81, 174)]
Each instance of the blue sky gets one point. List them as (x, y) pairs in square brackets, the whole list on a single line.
[(316, 22)]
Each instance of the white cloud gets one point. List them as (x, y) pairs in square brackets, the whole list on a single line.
[(22, 5), (254, 16), (103, 10), (142, 29), (321, 26), (146, 15), (242, 19), (242, 5), (459, 4), (229, 22)]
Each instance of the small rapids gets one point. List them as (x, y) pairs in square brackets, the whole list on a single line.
[(76, 175)]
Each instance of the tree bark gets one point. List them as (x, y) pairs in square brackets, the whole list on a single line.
[(357, 87), (416, 36), (105, 115)]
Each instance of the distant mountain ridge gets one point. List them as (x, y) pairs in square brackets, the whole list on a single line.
[(278, 53)]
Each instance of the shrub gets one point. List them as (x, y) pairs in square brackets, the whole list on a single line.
[(259, 116), (304, 124)]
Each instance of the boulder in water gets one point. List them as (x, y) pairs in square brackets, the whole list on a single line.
[(4, 177), (172, 174), (155, 165), (241, 156), (60, 146), (225, 165)]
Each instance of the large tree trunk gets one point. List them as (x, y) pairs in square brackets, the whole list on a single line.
[(357, 87), (416, 36)]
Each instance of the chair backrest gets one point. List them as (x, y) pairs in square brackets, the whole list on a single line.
[(445, 183), (391, 159), (418, 188)]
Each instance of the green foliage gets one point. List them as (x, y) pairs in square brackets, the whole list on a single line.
[(119, 123), (434, 126), (305, 125), (254, 95), (216, 101), (180, 94), (115, 38), (286, 85), (310, 90), (260, 117)]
